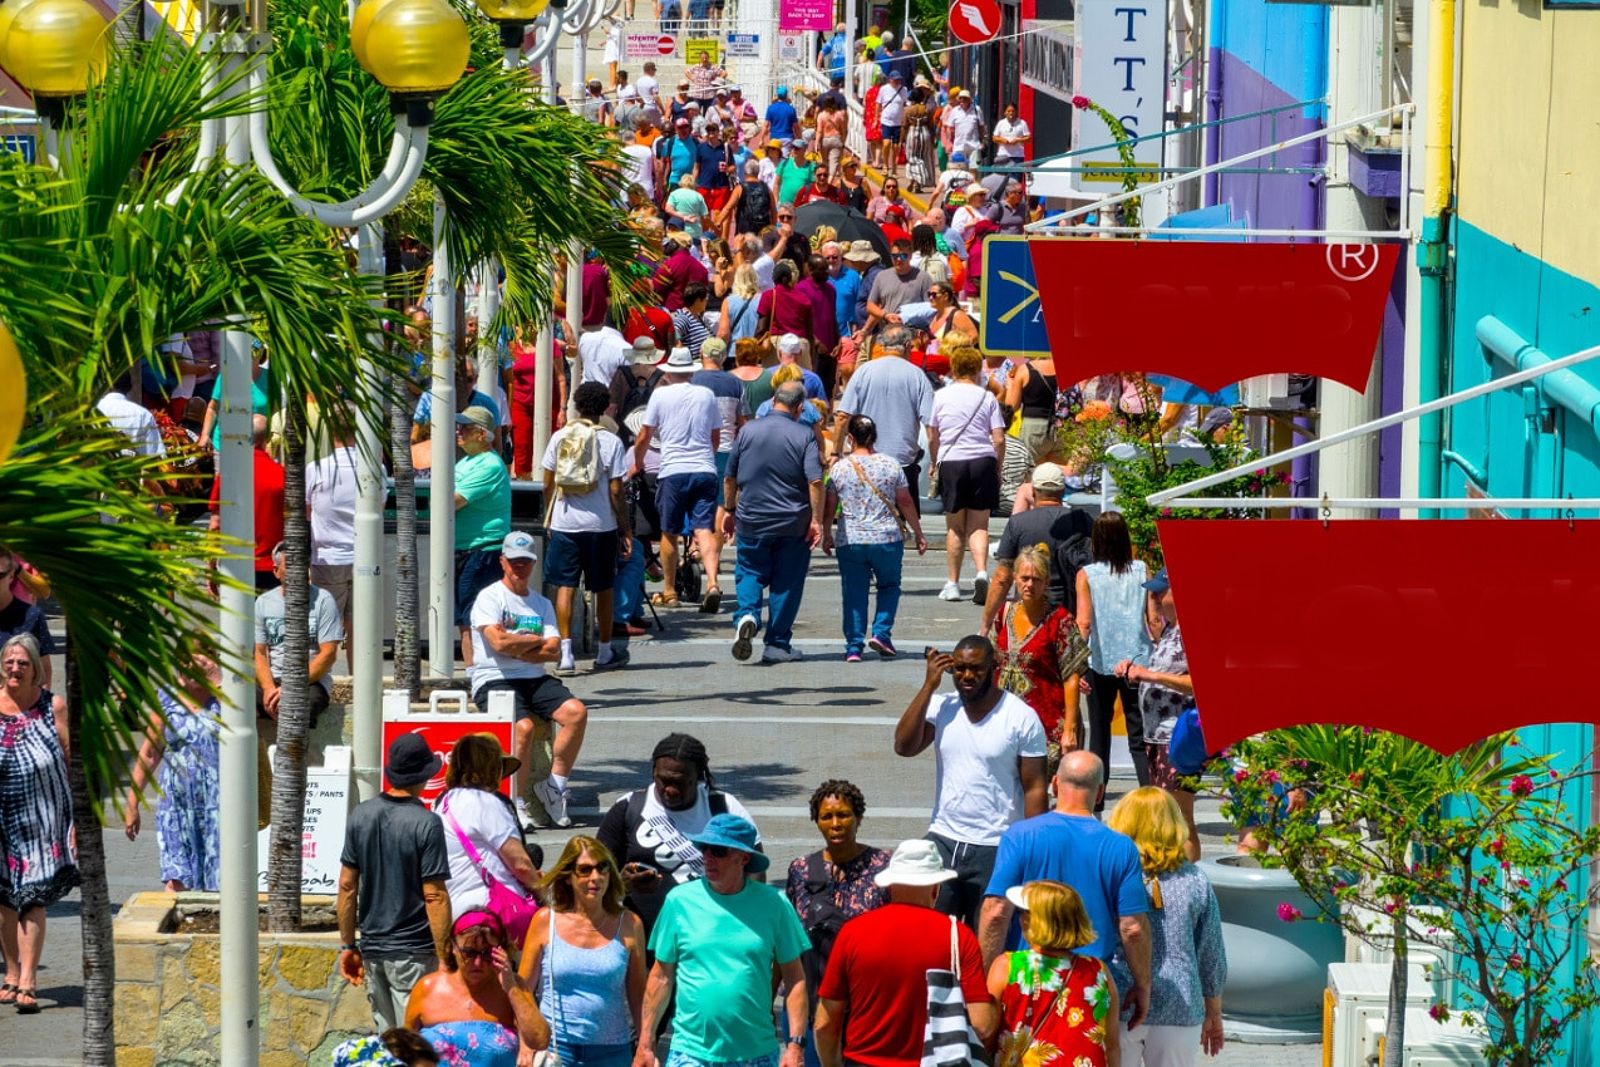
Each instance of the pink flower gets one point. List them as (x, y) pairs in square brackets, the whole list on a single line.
[(1081, 102), (1241, 775), (1514, 960), (1274, 777), (1439, 1012), (1497, 846), (1521, 785), (1289, 913)]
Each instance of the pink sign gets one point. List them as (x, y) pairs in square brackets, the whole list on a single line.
[(806, 15)]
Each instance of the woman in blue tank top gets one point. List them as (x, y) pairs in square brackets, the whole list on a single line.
[(585, 955)]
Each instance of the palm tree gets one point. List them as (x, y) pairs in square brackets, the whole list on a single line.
[(98, 261)]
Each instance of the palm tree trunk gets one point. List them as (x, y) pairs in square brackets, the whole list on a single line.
[(289, 769), (407, 649), (99, 955), (1394, 1037)]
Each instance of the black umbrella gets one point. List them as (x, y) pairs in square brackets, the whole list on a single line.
[(847, 222)]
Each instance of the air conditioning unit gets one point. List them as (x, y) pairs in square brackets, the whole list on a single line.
[(1430, 1043), (1265, 391), (1424, 922), (1357, 994)]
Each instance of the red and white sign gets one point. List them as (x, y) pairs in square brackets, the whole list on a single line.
[(442, 729), (665, 46), (1212, 313), (1391, 624), (974, 21)]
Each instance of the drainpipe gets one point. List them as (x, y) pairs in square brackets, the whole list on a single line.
[(1433, 248), (1217, 13)]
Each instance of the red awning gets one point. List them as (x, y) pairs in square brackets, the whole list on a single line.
[(1212, 313), (1445, 630)]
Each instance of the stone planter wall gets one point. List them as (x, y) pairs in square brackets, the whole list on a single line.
[(168, 1006)]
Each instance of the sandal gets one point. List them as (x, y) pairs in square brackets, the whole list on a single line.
[(32, 996), (664, 599), (8, 993), (712, 601)]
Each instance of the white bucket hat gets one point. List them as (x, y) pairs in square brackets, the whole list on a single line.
[(915, 862)]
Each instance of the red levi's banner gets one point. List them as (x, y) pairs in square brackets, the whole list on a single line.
[(1211, 313), (1443, 630)]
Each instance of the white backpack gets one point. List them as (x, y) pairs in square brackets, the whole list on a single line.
[(578, 458)]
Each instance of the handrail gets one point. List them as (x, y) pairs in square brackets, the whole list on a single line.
[(1069, 153)]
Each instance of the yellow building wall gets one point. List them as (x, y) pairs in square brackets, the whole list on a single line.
[(1529, 136)]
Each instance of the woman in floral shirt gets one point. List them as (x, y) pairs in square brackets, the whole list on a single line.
[(1041, 655), (1057, 1009)]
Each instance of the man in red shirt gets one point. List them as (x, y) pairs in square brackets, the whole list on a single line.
[(676, 271), (872, 1003), (269, 503)]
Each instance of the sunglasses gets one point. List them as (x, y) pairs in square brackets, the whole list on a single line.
[(901, 255), (584, 870), (716, 852), (834, 259), (785, 218), (476, 953)]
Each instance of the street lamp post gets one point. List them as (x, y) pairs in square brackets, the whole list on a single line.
[(417, 49)]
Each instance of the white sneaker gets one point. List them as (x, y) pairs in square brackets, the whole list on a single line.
[(745, 633), (568, 665), (774, 654), (951, 591), (554, 801), (524, 816)]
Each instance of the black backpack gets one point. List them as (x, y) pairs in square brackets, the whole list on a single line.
[(1068, 558), (755, 207)]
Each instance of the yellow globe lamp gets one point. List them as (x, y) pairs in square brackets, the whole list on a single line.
[(9, 10), (413, 47), (518, 11), (54, 48), (13, 392), (359, 25)]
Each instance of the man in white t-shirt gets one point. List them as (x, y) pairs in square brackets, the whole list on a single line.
[(990, 748), (602, 351), (685, 423), (331, 507), (962, 127), (588, 530), (650, 90), (1011, 137), (641, 170), (132, 420), (511, 643)]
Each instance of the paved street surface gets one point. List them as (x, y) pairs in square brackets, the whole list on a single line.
[(773, 732)]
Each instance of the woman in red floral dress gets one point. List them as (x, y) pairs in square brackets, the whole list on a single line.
[(1040, 655), (1057, 1008)]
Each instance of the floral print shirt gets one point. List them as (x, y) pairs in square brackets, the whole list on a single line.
[(866, 487), (1054, 1012)]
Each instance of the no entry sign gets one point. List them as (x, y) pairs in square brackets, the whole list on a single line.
[(665, 46), (974, 21)]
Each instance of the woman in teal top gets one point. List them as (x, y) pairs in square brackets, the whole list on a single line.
[(260, 397)]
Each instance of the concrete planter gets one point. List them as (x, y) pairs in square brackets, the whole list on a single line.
[(1277, 970), (168, 1008)]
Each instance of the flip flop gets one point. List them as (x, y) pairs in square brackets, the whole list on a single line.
[(664, 599), (30, 1008), (8, 993), (711, 602)]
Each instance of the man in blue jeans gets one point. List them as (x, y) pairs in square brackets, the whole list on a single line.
[(772, 505)]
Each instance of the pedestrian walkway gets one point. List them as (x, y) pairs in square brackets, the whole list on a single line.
[(773, 732)]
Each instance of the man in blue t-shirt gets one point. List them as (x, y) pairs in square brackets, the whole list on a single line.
[(1071, 846), (675, 156), (781, 118)]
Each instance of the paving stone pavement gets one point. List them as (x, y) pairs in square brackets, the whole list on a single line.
[(773, 731)]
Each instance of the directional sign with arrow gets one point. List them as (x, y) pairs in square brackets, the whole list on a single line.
[(1013, 318)]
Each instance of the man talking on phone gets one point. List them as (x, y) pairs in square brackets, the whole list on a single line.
[(989, 750)]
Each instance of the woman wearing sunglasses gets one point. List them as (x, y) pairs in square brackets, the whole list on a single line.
[(477, 1012), (585, 955)]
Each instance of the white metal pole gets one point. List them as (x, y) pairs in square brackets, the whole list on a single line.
[(366, 596), (241, 993), (580, 81), (545, 346), (488, 353), (442, 475)]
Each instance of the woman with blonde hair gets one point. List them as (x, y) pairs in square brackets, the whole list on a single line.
[(585, 955), (738, 319), (1040, 654), (1188, 964), (1057, 1008), (481, 831), (966, 438)]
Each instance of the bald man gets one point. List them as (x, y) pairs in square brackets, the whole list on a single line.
[(1070, 845)]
